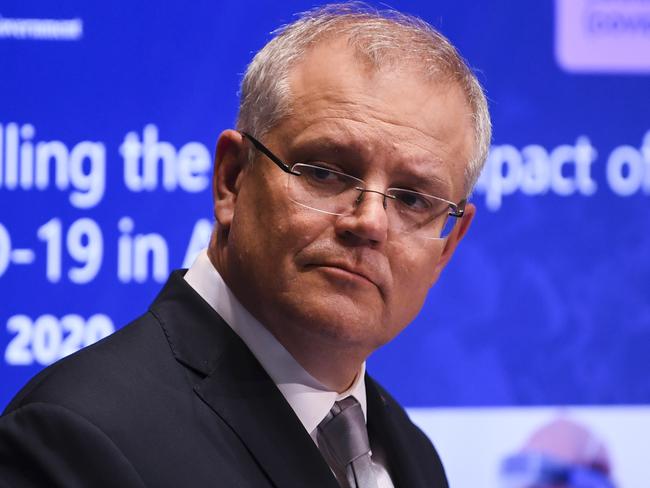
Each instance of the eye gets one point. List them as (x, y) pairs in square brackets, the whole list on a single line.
[(320, 174), (412, 201)]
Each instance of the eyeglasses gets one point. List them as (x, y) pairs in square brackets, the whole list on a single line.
[(332, 192)]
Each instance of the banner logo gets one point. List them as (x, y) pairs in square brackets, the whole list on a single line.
[(41, 29), (603, 36)]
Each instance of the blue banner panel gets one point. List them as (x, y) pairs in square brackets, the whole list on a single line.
[(109, 113)]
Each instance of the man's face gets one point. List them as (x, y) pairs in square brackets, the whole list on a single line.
[(347, 279)]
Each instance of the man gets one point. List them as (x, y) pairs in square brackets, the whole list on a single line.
[(338, 201)]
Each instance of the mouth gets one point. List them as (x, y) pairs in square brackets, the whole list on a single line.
[(345, 273)]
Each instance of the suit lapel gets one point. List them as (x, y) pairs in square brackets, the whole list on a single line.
[(243, 395), (384, 431), (236, 387)]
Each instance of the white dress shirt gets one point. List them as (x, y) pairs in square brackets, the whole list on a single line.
[(308, 397)]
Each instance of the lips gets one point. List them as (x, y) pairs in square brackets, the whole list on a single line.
[(370, 274), (363, 264), (348, 269)]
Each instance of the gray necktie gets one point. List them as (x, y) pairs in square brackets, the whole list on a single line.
[(343, 440)]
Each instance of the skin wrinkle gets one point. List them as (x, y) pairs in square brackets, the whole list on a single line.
[(323, 251), (368, 150), (349, 155), (414, 170), (389, 73), (348, 110), (335, 103)]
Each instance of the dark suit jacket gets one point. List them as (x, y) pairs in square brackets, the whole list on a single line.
[(177, 399)]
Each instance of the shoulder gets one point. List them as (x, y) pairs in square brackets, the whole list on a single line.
[(86, 457), (68, 425), (102, 373)]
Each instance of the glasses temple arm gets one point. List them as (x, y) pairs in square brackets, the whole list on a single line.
[(458, 210), (264, 150)]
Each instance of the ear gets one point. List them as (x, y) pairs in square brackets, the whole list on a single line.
[(454, 238), (229, 163)]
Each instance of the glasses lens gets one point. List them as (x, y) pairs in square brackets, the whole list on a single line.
[(330, 191), (323, 189), (417, 213)]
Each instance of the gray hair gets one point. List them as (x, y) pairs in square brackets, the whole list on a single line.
[(384, 38)]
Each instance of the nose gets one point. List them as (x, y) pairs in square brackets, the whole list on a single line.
[(368, 220)]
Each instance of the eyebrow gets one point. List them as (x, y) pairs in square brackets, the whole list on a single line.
[(329, 145), (422, 174)]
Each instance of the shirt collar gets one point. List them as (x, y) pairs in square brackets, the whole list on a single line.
[(308, 397)]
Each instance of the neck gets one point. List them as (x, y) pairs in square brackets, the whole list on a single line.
[(334, 367)]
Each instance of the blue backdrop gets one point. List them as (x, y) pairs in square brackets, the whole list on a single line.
[(547, 301)]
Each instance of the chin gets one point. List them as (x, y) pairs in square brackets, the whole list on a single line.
[(342, 320)]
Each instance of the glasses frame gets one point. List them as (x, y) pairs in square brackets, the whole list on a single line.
[(456, 210)]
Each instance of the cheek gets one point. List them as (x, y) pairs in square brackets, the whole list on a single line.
[(268, 230), (414, 272), (258, 212)]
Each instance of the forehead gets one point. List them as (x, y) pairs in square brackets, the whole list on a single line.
[(339, 100)]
